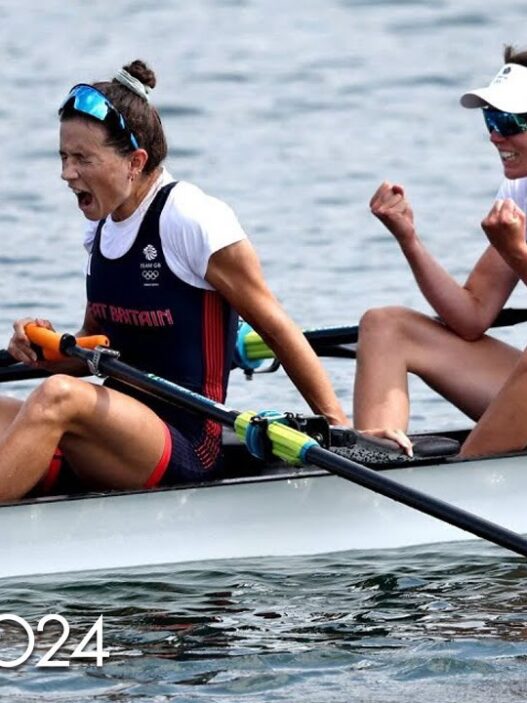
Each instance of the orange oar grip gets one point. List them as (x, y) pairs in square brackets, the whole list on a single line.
[(46, 339), (49, 341), (94, 340)]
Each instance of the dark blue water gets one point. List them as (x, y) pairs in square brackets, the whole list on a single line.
[(293, 113)]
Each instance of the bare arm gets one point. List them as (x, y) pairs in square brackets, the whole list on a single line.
[(469, 309), (235, 272)]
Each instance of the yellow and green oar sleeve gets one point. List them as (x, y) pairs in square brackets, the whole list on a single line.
[(250, 348), (272, 436)]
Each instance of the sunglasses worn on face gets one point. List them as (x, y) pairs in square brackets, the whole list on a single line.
[(90, 101), (507, 124)]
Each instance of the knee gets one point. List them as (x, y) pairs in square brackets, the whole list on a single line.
[(386, 322), (52, 400)]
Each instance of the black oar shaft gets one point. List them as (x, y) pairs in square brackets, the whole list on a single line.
[(332, 335), (510, 316), (21, 372), (166, 390), (413, 498)]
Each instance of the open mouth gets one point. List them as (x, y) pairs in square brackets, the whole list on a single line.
[(84, 198)]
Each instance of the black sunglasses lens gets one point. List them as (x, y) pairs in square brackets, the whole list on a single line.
[(504, 123)]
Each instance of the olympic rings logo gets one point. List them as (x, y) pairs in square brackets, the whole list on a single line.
[(150, 275)]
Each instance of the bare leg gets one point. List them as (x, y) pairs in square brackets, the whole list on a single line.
[(9, 408), (110, 439), (396, 341), (503, 426)]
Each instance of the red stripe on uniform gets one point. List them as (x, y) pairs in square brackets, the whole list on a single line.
[(51, 477), (161, 466), (213, 343), (214, 367)]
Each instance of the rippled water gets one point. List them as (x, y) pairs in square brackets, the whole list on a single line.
[(293, 113), (443, 622)]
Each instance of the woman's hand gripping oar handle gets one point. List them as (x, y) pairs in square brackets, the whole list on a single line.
[(48, 341)]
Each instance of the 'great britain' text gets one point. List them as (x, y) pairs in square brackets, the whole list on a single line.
[(127, 316)]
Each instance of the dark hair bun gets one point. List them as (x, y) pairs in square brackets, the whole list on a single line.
[(138, 69)]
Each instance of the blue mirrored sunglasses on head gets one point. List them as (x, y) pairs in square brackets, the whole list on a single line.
[(507, 124), (90, 101)]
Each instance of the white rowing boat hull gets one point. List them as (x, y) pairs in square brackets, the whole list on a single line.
[(304, 512)]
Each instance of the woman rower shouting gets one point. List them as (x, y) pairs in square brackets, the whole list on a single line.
[(169, 267), (482, 376)]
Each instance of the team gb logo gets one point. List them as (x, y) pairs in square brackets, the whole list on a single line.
[(150, 252)]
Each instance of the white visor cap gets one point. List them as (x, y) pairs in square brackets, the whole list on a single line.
[(507, 91)]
